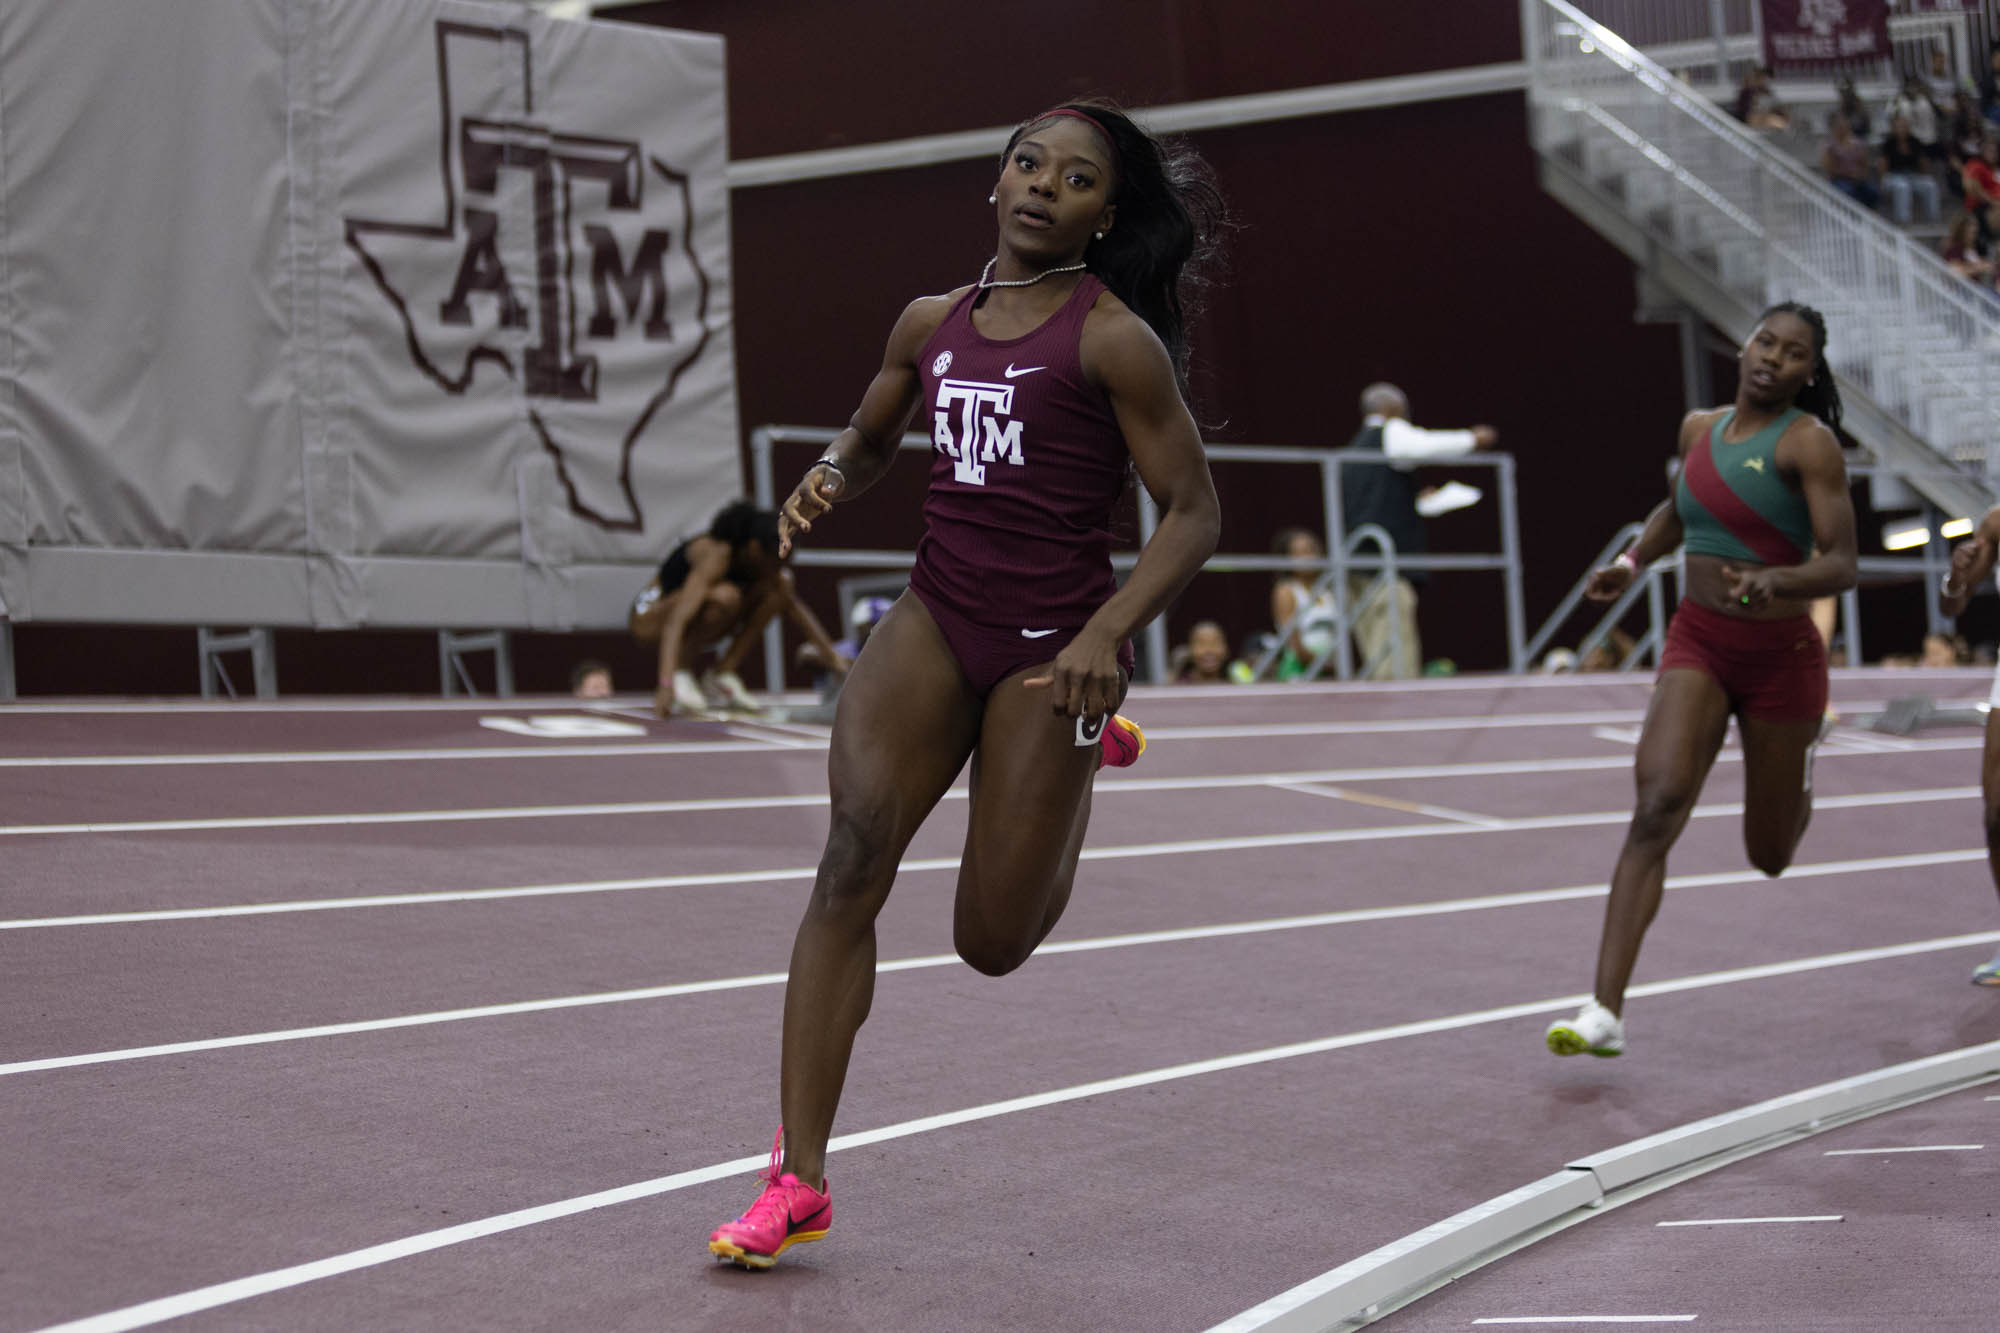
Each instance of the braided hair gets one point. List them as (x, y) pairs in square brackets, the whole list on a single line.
[(1171, 216), (1820, 396)]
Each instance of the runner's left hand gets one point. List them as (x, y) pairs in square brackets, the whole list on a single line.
[(1085, 679), (1750, 588)]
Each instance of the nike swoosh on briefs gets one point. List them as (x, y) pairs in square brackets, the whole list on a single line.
[(1036, 633), (1012, 373)]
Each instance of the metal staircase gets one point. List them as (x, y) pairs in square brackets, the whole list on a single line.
[(1728, 226)]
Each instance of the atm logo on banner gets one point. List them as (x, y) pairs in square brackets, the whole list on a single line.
[(554, 251), (1808, 33)]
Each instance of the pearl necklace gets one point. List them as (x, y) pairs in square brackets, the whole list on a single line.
[(986, 281)]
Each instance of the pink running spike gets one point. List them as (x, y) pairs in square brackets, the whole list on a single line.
[(785, 1214), (1121, 744)]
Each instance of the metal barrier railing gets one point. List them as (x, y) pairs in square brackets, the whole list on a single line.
[(1572, 599), (1915, 334), (1342, 558)]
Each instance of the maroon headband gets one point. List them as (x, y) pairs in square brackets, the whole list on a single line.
[(1089, 120)]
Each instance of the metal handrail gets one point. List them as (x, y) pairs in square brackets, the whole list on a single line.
[(1647, 584), (1572, 599)]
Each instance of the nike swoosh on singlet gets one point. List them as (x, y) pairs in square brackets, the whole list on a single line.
[(1012, 373), (1036, 633)]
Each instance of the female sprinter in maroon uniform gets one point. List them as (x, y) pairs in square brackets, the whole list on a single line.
[(1042, 383), (1761, 503), (1971, 562)]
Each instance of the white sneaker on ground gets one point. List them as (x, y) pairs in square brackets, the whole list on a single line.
[(1595, 1031), (725, 689), (1987, 974), (688, 698)]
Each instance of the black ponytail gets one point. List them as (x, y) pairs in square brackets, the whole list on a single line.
[(1821, 396), (1171, 216)]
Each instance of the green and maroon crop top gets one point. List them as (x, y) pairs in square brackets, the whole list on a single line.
[(1733, 503)]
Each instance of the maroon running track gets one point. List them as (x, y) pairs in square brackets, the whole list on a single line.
[(482, 1023)]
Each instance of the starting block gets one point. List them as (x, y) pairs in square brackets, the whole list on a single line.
[(1914, 712)]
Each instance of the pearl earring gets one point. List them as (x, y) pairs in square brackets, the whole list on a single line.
[(992, 198), (1100, 235)]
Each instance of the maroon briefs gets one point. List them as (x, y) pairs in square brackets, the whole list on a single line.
[(1772, 670), (988, 654)]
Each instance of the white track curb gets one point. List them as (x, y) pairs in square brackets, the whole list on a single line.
[(1356, 1292)]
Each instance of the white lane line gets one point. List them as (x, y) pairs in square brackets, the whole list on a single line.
[(1390, 803), (374, 704), (1551, 1319), (1640, 683), (601, 809), (622, 749), (759, 738), (918, 865), (1748, 1221), (761, 735), (588, 810), (225, 1293), (1756, 972), (1927, 1147)]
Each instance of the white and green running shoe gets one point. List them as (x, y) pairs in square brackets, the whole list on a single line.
[(1987, 974), (1594, 1031)]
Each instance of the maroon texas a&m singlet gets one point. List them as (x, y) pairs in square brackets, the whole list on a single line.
[(1027, 463)]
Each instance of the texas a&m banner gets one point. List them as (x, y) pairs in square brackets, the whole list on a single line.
[(346, 312), (1812, 37)]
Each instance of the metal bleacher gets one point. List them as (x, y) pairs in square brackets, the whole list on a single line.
[(1724, 223)]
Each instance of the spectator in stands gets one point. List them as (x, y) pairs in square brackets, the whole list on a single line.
[(1981, 181), (590, 680), (1958, 140), (1204, 658), (1386, 494), (1852, 107), (1943, 83), (1963, 251), (1291, 594), (1844, 159), (1914, 104), (1757, 106), (1905, 164), (1945, 650), (1989, 86), (725, 584)]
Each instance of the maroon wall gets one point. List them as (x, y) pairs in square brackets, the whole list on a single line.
[(809, 74)]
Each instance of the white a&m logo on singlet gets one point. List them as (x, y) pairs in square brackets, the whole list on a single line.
[(970, 426)]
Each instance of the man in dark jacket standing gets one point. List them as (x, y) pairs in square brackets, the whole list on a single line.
[(1386, 494)]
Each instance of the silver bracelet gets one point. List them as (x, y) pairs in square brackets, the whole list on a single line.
[(828, 462), (1944, 586)]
